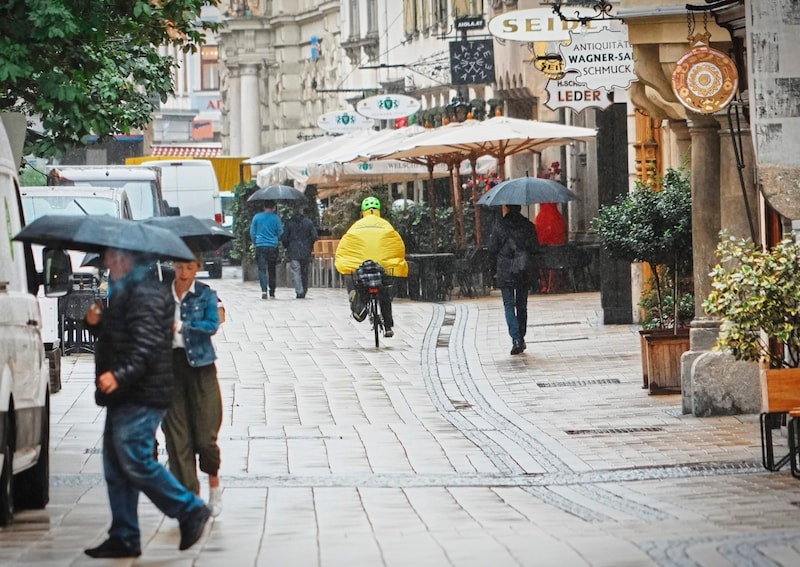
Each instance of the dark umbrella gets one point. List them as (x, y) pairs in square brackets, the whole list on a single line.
[(527, 191), (276, 193), (95, 233), (199, 234)]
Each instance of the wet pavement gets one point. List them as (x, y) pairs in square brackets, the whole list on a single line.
[(437, 449)]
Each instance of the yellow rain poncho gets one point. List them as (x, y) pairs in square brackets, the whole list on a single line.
[(372, 238)]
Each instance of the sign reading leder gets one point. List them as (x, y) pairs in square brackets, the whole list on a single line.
[(541, 24), (568, 93), (342, 121), (388, 106)]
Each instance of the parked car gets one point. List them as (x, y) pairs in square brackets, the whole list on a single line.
[(142, 184), (24, 383), (69, 200)]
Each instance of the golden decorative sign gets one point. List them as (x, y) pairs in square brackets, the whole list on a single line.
[(705, 80)]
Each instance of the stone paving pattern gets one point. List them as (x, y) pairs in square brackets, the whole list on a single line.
[(437, 449)]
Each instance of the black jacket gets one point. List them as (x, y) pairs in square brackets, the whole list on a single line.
[(299, 236), (134, 341), (513, 226)]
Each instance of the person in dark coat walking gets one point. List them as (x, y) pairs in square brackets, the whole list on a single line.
[(299, 236), (134, 382), (512, 245)]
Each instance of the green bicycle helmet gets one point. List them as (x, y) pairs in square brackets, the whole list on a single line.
[(370, 203)]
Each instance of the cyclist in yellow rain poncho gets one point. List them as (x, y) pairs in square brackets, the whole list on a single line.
[(372, 238)]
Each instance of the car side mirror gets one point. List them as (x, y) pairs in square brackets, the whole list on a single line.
[(57, 272)]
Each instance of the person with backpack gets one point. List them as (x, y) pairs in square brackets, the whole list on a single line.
[(372, 238), (299, 236), (512, 245)]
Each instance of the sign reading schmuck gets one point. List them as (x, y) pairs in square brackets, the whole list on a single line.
[(601, 59)]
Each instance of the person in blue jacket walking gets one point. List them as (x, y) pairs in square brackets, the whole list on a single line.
[(265, 232)]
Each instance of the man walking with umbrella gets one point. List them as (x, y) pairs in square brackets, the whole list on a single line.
[(265, 232), (299, 237), (133, 366), (511, 245)]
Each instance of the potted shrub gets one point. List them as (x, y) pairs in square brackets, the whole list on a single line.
[(756, 292), (653, 225)]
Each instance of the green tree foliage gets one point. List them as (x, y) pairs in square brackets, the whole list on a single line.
[(91, 68), (652, 226)]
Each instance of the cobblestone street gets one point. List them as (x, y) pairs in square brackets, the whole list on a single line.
[(437, 449)]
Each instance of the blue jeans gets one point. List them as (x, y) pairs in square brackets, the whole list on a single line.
[(515, 304), (130, 467), (299, 271), (267, 260)]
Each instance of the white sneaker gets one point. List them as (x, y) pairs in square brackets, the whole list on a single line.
[(215, 500)]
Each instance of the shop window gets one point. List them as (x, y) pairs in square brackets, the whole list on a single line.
[(209, 68)]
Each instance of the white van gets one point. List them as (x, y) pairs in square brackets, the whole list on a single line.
[(191, 186), (57, 333), (24, 384), (143, 185)]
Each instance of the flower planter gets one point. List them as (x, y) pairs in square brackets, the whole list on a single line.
[(661, 359)]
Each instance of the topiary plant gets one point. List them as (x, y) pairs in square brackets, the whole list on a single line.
[(654, 226)]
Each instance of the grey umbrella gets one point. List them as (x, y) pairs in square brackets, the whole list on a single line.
[(199, 234), (527, 191), (276, 193), (95, 233)]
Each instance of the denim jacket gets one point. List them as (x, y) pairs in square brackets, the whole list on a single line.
[(200, 320)]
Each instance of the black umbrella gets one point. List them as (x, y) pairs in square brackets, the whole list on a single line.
[(199, 234), (276, 193), (95, 233), (527, 191)]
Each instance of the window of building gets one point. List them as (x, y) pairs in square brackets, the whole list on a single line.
[(440, 11), (410, 17), (355, 24), (209, 68), (372, 16)]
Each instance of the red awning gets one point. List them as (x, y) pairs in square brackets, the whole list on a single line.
[(200, 151)]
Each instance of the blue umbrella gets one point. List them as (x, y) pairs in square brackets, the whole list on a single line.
[(527, 191)]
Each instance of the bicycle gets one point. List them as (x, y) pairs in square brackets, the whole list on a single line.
[(369, 280)]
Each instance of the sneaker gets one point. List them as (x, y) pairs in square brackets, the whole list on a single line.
[(113, 547), (215, 500), (388, 333), (263, 295), (192, 527), (301, 295), (517, 347)]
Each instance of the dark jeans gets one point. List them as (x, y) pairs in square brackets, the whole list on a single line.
[(267, 259), (515, 304), (384, 299), (130, 466)]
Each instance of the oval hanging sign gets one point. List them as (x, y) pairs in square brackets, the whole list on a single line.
[(705, 80), (343, 121), (388, 106), (541, 24)]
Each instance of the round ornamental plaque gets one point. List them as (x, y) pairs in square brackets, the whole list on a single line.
[(704, 79)]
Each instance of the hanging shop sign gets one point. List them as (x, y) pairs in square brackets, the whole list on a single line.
[(602, 60), (705, 80), (541, 24), (465, 23), (387, 107), (343, 121), (568, 93), (472, 62)]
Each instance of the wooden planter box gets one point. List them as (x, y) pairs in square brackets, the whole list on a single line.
[(780, 389), (661, 359)]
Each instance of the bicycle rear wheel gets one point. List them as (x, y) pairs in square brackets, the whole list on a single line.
[(376, 318)]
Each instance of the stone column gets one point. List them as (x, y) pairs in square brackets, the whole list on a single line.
[(705, 160), (235, 112), (250, 111)]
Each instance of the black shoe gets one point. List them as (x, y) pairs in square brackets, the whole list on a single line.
[(272, 295), (113, 547), (263, 295), (517, 348), (192, 527), (301, 295), (524, 346)]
